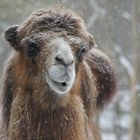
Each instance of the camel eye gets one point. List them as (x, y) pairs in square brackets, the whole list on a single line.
[(32, 48), (81, 52)]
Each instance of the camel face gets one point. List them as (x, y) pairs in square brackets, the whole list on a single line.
[(60, 74)]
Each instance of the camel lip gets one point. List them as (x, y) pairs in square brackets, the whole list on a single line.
[(59, 87), (60, 84)]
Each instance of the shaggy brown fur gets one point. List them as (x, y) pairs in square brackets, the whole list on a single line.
[(30, 109)]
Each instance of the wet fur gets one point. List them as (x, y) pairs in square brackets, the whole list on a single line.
[(27, 114)]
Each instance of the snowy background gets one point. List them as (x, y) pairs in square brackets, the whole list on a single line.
[(115, 25)]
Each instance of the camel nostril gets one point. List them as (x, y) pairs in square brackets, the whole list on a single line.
[(71, 62), (62, 61), (64, 84), (58, 59)]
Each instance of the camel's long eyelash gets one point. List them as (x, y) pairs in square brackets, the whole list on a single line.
[(81, 52), (32, 48)]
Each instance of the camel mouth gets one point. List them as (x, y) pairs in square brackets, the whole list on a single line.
[(61, 85), (64, 84), (58, 87)]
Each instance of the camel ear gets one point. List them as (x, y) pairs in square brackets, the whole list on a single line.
[(11, 35)]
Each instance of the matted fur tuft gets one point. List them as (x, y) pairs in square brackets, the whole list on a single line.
[(56, 19)]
